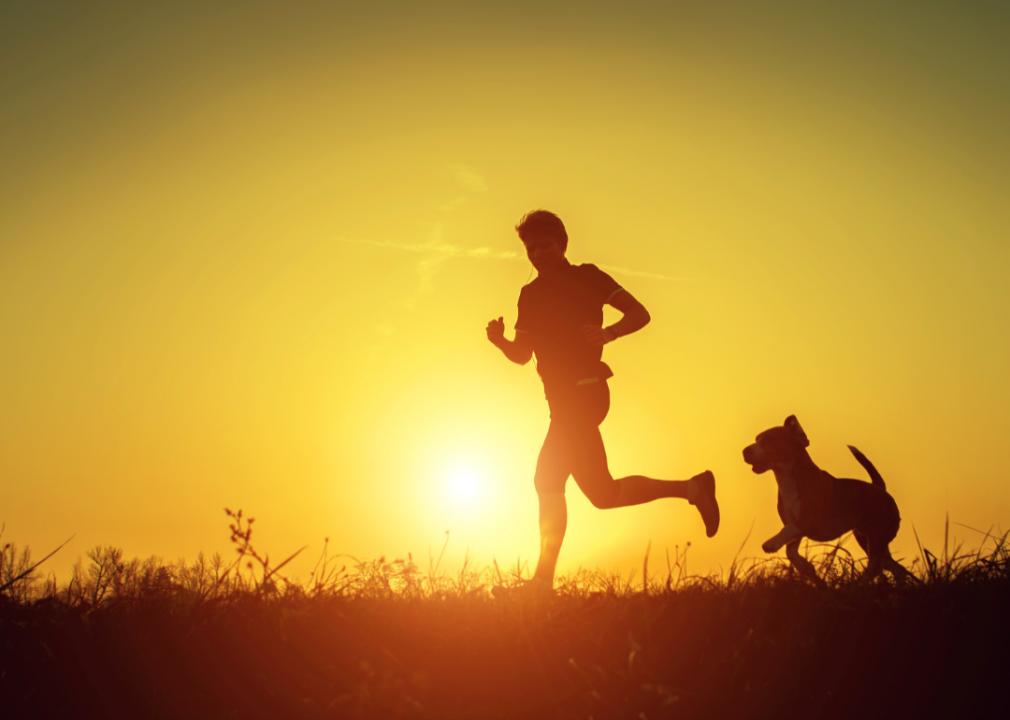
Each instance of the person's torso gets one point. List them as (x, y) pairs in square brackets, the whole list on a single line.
[(557, 307)]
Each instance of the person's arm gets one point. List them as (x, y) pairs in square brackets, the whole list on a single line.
[(518, 351), (635, 318)]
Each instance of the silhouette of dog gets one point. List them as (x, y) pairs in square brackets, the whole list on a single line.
[(812, 503)]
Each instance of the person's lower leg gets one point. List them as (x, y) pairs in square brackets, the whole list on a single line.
[(699, 491), (553, 523), (638, 489)]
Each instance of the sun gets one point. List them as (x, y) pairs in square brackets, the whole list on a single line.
[(465, 486)]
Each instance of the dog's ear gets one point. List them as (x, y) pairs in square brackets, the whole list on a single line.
[(793, 425)]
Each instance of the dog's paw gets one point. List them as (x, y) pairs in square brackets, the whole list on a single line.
[(770, 546)]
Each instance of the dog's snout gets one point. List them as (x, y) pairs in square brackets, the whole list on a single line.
[(750, 454)]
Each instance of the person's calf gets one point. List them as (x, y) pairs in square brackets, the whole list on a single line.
[(553, 524), (638, 489)]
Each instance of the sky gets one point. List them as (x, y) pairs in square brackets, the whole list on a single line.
[(248, 252)]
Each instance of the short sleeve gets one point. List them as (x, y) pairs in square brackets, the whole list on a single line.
[(604, 287), (524, 318)]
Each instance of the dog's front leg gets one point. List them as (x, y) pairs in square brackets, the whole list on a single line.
[(789, 532), (801, 563)]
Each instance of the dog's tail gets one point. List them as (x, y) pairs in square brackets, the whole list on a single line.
[(874, 475)]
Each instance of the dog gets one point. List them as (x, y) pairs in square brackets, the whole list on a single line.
[(814, 504)]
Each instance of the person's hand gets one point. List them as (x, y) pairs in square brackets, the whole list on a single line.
[(598, 336), (496, 331)]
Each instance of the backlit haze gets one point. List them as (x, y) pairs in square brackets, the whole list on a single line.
[(248, 252)]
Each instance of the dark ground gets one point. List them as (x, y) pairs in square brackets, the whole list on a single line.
[(769, 647)]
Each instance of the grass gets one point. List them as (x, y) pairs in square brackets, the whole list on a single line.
[(386, 639)]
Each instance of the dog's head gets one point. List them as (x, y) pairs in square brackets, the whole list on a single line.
[(776, 446)]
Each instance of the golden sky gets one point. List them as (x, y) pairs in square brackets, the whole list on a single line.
[(248, 251)]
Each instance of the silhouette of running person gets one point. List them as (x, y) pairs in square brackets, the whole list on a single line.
[(560, 321)]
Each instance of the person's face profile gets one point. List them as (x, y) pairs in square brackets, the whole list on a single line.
[(544, 252)]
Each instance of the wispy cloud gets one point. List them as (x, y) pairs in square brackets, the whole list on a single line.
[(470, 179), (436, 252), (641, 273), (452, 204), (439, 251)]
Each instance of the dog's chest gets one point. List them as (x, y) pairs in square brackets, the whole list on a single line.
[(789, 498)]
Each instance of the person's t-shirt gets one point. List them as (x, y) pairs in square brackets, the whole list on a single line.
[(553, 309)]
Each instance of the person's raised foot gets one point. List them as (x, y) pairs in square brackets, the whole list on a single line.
[(703, 498)]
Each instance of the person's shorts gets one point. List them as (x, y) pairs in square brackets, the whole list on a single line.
[(574, 446)]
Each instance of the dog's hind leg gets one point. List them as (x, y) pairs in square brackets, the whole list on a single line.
[(878, 556), (799, 562)]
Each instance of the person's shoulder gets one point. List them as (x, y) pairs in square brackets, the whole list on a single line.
[(590, 270), (530, 287), (529, 290), (602, 285)]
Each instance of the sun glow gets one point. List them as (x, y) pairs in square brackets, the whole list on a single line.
[(465, 486)]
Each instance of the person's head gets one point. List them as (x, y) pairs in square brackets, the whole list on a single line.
[(545, 238)]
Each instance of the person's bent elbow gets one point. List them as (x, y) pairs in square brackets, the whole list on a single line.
[(517, 353), (641, 318), (522, 348)]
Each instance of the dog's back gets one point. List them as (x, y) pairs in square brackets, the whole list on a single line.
[(865, 508)]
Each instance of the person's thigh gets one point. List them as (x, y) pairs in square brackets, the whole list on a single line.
[(574, 446), (554, 462), (589, 466), (595, 401)]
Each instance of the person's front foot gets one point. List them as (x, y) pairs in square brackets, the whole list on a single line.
[(704, 499)]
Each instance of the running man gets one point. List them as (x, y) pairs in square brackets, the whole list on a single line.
[(560, 321)]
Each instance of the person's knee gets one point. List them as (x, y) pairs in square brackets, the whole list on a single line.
[(548, 483), (552, 542), (604, 496)]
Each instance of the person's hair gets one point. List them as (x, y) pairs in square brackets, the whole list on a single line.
[(543, 222)]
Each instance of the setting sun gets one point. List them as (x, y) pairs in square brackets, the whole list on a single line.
[(466, 487)]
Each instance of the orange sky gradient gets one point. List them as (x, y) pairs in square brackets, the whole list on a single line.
[(248, 252)]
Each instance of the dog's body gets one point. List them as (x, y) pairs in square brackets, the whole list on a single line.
[(814, 504)]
